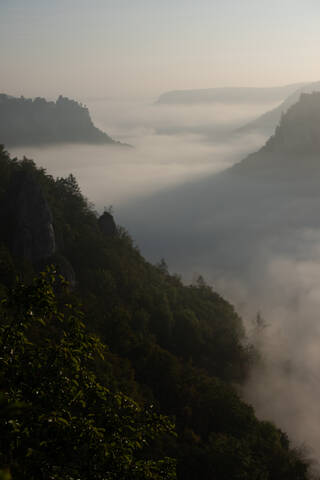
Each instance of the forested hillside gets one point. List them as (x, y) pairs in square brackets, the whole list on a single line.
[(26, 121), (173, 350)]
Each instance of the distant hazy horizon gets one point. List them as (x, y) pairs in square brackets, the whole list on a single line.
[(107, 48)]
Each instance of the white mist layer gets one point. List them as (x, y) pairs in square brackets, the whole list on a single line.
[(172, 145)]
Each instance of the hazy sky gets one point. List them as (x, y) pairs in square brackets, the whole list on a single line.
[(113, 48)]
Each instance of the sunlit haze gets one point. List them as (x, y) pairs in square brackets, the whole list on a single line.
[(103, 48)]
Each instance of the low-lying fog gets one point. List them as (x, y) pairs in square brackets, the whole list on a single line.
[(260, 250), (172, 144)]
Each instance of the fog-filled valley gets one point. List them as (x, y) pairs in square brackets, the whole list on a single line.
[(251, 231), (159, 240), (171, 144)]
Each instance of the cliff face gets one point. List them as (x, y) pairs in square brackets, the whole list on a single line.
[(27, 222), (28, 219), (33, 122)]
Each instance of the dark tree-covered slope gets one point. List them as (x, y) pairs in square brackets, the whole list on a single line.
[(24, 121), (57, 418), (179, 348)]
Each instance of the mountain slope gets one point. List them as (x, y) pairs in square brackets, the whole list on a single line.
[(267, 122), (179, 348), (223, 221), (39, 122)]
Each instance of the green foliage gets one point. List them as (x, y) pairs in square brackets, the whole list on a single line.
[(180, 348), (70, 426)]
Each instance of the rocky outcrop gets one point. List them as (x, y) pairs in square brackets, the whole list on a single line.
[(107, 224), (64, 268), (28, 219)]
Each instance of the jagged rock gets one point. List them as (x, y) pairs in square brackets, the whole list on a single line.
[(29, 220), (107, 224)]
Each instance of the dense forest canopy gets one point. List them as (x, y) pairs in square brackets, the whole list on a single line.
[(175, 354)]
